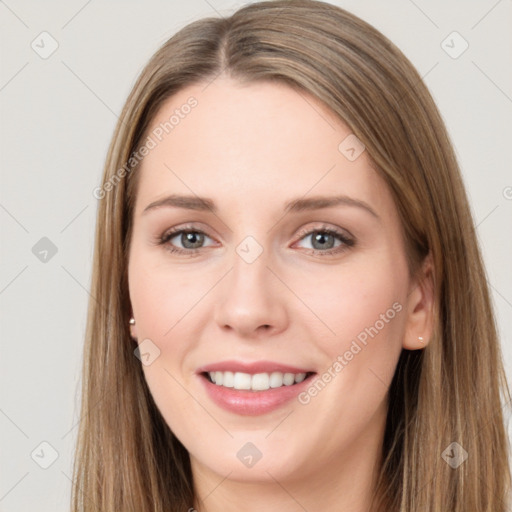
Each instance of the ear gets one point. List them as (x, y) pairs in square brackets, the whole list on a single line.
[(420, 308)]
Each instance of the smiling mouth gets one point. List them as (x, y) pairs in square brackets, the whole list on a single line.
[(241, 381)]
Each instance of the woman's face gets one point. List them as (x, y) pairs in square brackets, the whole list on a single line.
[(257, 288)]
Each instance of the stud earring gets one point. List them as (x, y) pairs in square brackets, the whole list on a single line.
[(132, 323), (419, 337)]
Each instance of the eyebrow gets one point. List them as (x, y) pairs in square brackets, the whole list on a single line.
[(296, 205)]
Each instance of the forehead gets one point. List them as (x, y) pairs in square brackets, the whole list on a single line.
[(253, 141)]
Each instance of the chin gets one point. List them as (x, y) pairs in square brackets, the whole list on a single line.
[(246, 462)]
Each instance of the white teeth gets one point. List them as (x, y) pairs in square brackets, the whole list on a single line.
[(256, 382), (276, 380), (242, 381), (260, 382), (288, 379), (300, 377), (228, 380)]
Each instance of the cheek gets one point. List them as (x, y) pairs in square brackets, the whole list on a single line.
[(361, 301), (161, 296)]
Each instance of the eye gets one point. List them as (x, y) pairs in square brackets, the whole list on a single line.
[(191, 240), (323, 241)]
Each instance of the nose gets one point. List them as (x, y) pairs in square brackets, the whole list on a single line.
[(251, 300)]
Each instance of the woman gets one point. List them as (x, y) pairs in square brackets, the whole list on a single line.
[(290, 310)]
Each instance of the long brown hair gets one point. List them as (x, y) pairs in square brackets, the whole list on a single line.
[(127, 459)]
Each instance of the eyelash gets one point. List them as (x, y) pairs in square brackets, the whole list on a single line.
[(347, 242)]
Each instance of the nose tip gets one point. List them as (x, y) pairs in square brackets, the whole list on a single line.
[(249, 301)]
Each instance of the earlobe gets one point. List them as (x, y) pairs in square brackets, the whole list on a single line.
[(420, 307)]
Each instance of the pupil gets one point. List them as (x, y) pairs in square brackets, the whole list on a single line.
[(194, 238), (320, 237)]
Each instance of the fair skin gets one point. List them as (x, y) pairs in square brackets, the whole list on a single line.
[(251, 149)]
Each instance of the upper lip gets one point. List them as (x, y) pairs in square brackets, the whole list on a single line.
[(251, 367)]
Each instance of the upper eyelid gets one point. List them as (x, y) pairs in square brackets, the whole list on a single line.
[(325, 227)]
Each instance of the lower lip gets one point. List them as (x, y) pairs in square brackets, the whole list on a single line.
[(253, 403)]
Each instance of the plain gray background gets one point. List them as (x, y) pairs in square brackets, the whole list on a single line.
[(57, 118)]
